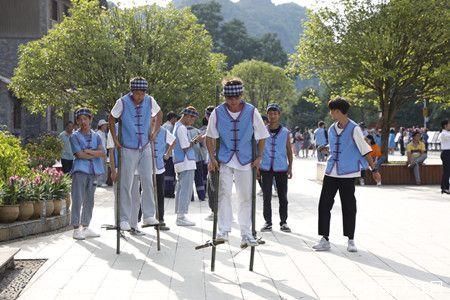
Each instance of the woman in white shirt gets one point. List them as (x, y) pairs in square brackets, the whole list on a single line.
[(444, 137)]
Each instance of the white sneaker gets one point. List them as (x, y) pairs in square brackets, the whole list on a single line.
[(351, 246), (323, 245), (78, 234), (124, 225), (222, 237), (210, 217), (89, 233), (150, 221), (248, 241), (184, 222)]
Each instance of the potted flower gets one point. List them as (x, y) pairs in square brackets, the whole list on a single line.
[(57, 188), (9, 207), (26, 207), (40, 191)]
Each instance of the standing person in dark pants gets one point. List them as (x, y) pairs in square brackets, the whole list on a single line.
[(276, 163), (169, 179), (348, 150), (67, 154), (444, 137), (401, 141)]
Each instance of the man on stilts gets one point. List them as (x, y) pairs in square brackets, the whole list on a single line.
[(235, 123), (136, 110)]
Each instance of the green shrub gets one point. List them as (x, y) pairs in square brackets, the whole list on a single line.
[(13, 159), (44, 150)]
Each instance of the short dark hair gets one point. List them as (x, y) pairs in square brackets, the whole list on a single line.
[(415, 133), (444, 123), (68, 123), (321, 123), (265, 118), (170, 115), (371, 139), (204, 121), (340, 104)]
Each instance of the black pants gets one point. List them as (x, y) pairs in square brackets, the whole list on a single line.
[(199, 182), (160, 197), (346, 187), (402, 146), (169, 187), (445, 156), (281, 184), (66, 165)]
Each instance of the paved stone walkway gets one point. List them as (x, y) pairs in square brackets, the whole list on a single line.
[(402, 235)]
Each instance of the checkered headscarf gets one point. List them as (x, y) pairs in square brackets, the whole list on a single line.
[(190, 112), (83, 112), (273, 106), (138, 83), (233, 90)]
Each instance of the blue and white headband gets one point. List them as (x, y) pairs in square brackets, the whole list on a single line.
[(138, 84), (83, 112), (233, 90), (273, 106), (189, 112)]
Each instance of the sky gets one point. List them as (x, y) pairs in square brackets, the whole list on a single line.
[(307, 3)]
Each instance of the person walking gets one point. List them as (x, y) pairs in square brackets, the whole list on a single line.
[(444, 137), (348, 153)]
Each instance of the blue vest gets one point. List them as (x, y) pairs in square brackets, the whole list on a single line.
[(275, 155), (92, 166), (178, 153), (160, 148), (192, 133), (136, 122), (320, 137), (235, 135), (343, 151)]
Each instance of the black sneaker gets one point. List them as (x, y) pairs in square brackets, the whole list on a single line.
[(163, 227), (136, 232), (285, 228), (267, 227)]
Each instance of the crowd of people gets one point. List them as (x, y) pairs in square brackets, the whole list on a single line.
[(234, 139)]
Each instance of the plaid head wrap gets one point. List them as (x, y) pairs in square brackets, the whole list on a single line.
[(138, 83), (273, 106), (83, 112), (233, 90), (190, 112)]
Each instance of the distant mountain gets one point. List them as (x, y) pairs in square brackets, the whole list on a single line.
[(262, 16)]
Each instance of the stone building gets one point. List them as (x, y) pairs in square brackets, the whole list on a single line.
[(20, 22)]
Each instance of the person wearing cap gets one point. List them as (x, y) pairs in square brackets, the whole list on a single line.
[(235, 123), (169, 177), (184, 161), (276, 163), (102, 130), (88, 151), (135, 111)]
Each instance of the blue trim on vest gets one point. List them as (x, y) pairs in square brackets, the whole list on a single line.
[(275, 155), (92, 166), (344, 152), (235, 134), (135, 132)]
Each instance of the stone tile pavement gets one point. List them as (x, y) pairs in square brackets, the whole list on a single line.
[(402, 235)]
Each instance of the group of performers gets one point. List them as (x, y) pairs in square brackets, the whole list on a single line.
[(233, 141)]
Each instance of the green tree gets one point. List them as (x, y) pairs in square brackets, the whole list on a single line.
[(264, 83), (271, 50), (210, 15), (89, 58), (397, 51)]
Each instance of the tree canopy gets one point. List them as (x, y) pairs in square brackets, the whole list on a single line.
[(89, 58), (264, 83), (388, 52)]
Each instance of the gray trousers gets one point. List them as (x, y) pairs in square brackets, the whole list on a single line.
[(183, 191), (104, 177), (415, 165), (132, 160), (83, 189), (135, 204)]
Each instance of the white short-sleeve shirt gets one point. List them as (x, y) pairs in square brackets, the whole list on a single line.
[(259, 129), (183, 139)]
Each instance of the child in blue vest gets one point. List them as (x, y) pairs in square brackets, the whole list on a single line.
[(164, 144), (349, 152), (135, 110), (235, 123), (276, 163), (87, 166), (184, 161)]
